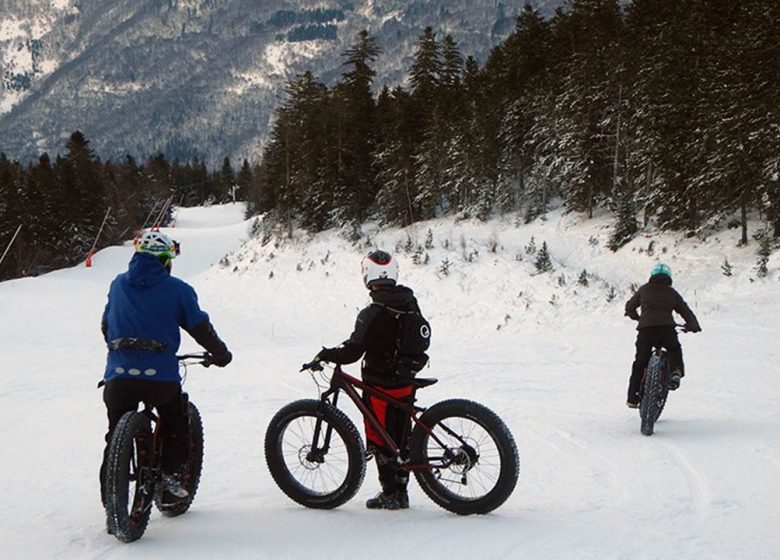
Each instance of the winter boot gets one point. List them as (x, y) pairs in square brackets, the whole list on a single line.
[(393, 500), (674, 380), (171, 484)]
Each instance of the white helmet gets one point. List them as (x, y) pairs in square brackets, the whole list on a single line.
[(156, 243), (379, 269)]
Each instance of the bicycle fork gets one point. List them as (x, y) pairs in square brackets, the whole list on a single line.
[(317, 454)]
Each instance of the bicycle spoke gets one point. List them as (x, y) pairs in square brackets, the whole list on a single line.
[(321, 475)]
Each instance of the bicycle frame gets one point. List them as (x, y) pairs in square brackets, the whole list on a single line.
[(342, 381)]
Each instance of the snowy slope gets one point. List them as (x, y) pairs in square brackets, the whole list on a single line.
[(591, 486)]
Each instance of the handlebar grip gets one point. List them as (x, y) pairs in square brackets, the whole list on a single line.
[(314, 365)]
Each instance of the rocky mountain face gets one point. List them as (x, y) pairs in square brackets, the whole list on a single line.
[(199, 77)]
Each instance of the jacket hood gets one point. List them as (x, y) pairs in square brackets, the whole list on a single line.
[(398, 296), (662, 279), (145, 270)]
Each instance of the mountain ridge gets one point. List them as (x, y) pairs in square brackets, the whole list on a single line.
[(199, 78)]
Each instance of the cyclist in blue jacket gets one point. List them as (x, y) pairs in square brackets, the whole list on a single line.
[(146, 307)]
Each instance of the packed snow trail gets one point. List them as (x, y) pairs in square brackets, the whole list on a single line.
[(705, 486)]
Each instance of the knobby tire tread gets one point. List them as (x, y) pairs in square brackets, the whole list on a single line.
[(501, 436), (192, 468), (121, 449), (653, 394), (356, 467)]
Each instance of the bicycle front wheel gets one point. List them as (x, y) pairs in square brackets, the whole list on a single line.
[(464, 457), (315, 454), (192, 466), (129, 477)]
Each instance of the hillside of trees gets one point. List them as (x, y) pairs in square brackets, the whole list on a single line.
[(666, 112), (61, 203)]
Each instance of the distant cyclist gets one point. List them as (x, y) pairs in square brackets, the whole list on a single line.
[(146, 307), (375, 339), (657, 300)]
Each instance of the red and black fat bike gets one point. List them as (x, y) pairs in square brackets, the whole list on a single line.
[(133, 477), (461, 453)]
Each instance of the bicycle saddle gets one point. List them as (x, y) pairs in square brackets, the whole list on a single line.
[(422, 382)]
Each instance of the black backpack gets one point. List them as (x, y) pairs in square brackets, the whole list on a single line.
[(413, 339)]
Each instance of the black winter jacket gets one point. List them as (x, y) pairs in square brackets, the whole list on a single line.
[(657, 299), (374, 337)]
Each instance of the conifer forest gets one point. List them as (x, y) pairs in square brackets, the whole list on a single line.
[(664, 112)]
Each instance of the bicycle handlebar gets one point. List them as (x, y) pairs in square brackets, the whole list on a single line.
[(314, 365), (202, 358)]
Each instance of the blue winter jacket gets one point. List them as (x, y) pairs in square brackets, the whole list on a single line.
[(147, 303)]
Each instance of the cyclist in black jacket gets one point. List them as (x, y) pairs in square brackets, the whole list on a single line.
[(657, 300), (374, 339)]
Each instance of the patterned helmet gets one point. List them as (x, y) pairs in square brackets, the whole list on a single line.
[(661, 268), (156, 243), (379, 269)]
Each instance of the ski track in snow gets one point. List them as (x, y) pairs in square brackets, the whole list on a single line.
[(705, 486)]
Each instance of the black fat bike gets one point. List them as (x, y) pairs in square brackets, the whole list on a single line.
[(655, 388), (133, 477), (461, 453)]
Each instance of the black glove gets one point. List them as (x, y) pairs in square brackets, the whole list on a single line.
[(221, 360), (326, 355), (314, 365), (692, 328)]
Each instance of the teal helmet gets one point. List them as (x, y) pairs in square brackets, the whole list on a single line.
[(661, 268)]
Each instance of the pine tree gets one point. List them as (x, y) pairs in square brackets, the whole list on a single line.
[(764, 252), (394, 159), (226, 181), (356, 130), (543, 261), (83, 196), (243, 181), (626, 225)]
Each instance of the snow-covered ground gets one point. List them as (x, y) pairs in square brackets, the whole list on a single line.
[(547, 354)]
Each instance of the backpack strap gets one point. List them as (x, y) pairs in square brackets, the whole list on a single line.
[(395, 312)]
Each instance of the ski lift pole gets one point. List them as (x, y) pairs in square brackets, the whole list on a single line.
[(161, 215), (100, 230), (154, 207), (8, 248)]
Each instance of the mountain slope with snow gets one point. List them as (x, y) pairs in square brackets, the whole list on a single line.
[(199, 77), (549, 355)]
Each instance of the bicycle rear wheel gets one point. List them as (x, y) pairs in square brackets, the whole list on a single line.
[(654, 394), (129, 477), (464, 457), (192, 466), (315, 454)]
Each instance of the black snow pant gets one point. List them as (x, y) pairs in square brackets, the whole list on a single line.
[(647, 338), (398, 426), (124, 395)]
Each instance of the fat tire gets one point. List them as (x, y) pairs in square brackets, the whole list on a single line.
[(192, 466), (654, 394), (499, 433), (132, 439), (346, 430)]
